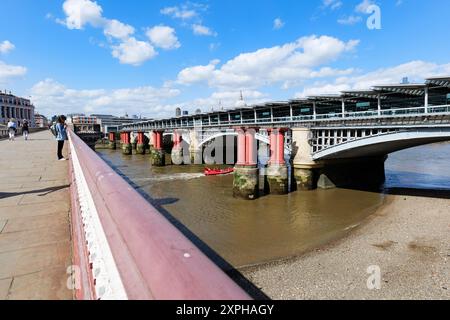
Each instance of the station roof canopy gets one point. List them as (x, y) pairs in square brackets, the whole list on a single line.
[(414, 89), (439, 81), (365, 94), (326, 97)]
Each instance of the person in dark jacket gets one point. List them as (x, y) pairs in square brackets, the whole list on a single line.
[(25, 130)]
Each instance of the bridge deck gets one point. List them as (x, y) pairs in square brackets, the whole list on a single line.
[(35, 248)]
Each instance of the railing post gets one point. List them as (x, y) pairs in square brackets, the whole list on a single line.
[(379, 105), (343, 108), (314, 111)]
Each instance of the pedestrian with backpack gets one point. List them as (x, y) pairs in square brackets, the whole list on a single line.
[(25, 129), (61, 135)]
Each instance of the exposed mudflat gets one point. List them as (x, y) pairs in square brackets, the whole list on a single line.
[(408, 238)]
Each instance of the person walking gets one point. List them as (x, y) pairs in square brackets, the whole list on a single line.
[(12, 129), (61, 135), (25, 129)]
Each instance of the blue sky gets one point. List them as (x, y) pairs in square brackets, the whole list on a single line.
[(149, 57)]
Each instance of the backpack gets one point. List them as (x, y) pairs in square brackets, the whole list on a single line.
[(53, 130)]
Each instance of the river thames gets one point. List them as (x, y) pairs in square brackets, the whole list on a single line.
[(276, 227)]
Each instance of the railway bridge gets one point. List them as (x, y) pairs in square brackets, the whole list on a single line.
[(328, 140)]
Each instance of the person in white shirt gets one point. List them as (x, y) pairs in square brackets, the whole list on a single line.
[(12, 130)]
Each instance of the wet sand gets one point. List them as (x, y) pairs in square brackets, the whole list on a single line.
[(408, 238)]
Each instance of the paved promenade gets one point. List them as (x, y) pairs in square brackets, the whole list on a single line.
[(35, 248)]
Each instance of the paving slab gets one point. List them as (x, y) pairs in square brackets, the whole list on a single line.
[(35, 240), (31, 210), (31, 260), (32, 286), (56, 221)]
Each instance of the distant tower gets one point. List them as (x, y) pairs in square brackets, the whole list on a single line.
[(405, 80), (178, 112), (198, 111)]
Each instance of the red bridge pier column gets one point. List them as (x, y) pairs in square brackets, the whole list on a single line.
[(126, 143), (140, 146), (158, 157), (112, 140), (246, 172), (277, 172)]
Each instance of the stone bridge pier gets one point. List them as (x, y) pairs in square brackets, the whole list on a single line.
[(305, 168), (195, 151), (177, 149)]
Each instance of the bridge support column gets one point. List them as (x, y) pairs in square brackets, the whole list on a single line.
[(277, 172), (177, 150), (246, 172), (126, 142), (133, 141), (305, 168), (112, 140), (194, 151), (158, 158), (152, 140), (140, 147)]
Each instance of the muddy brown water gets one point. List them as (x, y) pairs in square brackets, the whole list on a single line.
[(274, 227)]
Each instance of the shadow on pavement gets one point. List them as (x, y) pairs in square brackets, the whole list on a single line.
[(45, 191)]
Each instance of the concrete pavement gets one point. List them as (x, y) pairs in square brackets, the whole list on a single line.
[(35, 241)]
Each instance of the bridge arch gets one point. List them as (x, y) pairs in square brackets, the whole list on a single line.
[(383, 144)]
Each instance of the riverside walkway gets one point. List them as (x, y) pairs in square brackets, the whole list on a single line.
[(35, 241)]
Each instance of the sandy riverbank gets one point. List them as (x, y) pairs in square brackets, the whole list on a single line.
[(408, 238)]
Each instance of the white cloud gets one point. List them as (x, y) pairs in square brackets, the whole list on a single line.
[(178, 12), (124, 46), (416, 71), (116, 29), (163, 37), (289, 64), (133, 52), (197, 73), (362, 7), (190, 14), (350, 20), (8, 72), (278, 24), (82, 12), (331, 4), (52, 97), (201, 30), (6, 47)]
